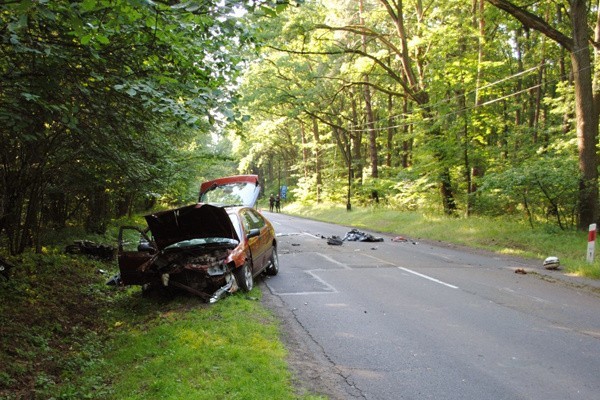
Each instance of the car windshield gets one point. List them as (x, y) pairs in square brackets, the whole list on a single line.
[(232, 194), (236, 223), (201, 242)]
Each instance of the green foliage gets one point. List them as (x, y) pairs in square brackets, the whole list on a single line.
[(102, 105), (543, 188), (49, 313), (469, 97)]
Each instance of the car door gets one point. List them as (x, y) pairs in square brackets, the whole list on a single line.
[(132, 255), (259, 245)]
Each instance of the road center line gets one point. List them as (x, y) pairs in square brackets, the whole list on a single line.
[(414, 272), (331, 260), (311, 235), (428, 277)]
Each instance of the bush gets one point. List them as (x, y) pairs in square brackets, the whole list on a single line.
[(542, 189)]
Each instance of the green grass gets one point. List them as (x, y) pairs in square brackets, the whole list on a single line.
[(501, 235), (66, 335), (230, 350)]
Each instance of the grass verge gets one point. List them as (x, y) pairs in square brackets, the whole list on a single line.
[(66, 335), (501, 235)]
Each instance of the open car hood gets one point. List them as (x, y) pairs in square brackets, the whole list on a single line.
[(195, 221), (240, 190)]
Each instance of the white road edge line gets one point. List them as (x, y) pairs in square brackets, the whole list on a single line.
[(428, 277)]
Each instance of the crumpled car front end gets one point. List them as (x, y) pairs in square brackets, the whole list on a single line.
[(205, 270), (193, 248)]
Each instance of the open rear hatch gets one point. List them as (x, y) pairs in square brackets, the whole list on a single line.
[(240, 190)]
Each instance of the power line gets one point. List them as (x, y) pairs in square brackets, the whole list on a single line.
[(520, 73)]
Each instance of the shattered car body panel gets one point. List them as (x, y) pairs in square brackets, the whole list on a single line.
[(194, 248), (201, 248), (199, 269)]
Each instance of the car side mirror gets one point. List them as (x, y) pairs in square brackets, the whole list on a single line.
[(253, 233), (145, 245)]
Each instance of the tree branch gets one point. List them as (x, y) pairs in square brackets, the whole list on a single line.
[(534, 22)]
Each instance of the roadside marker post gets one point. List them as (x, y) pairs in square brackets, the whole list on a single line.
[(591, 243)]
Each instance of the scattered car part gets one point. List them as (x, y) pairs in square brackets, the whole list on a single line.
[(5, 268), (355, 235), (91, 250), (551, 263), (335, 241), (115, 280)]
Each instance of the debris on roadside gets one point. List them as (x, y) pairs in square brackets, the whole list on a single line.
[(551, 263), (115, 280), (5, 268), (354, 235), (91, 250), (402, 239), (334, 241), (357, 236), (520, 271)]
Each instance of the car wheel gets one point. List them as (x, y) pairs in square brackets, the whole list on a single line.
[(244, 277), (273, 267)]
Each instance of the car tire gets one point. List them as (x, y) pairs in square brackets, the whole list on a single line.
[(273, 268), (244, 278)]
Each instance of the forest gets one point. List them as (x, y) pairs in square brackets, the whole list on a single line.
[(481, 107)]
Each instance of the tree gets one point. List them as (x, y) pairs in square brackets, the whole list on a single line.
[(586, 108), (450, 101), (101, 101)]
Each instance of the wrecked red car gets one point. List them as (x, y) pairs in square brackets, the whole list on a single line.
[(208, 249)]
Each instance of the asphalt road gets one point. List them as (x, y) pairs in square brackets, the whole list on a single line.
[(413, 320)]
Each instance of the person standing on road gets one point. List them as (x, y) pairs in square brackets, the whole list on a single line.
[(271, 202), (278, 203)]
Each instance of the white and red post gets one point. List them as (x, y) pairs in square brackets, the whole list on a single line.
[(591, 243)]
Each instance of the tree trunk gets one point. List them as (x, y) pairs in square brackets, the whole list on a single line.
[(596, 79), (391, 130), (304, 150), (539, 93), (479, 22), (372, 132), (356, 139), (29, 230), (319, 179), (407, 142), (585, 111), (369, 108), (586, 116), (447, 192), (98, 212)]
